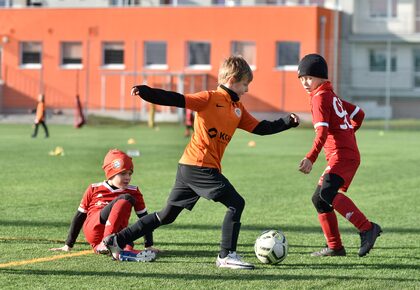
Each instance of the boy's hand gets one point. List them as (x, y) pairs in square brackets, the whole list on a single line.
[(305, 166), (135, 91), (156, 250), (294, 120), (64, 248)]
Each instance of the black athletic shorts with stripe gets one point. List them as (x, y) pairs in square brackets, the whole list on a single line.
[(193, 182)]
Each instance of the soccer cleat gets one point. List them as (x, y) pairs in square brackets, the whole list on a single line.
[(327, 252), (101, 249), (142, 256), (111, 243), (233, 261), (368, 238)]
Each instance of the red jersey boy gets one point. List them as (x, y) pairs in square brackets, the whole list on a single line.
[(106, 207), (335, 122)]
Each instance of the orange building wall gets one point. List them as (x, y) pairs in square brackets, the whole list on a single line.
[(271, 90)]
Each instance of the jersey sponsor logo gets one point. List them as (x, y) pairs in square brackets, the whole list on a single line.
[(101, 203), (238, 112), (224, 137), (213, 132)]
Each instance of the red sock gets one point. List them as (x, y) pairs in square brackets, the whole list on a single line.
[(118, 217), (349, 210), (329, 225)]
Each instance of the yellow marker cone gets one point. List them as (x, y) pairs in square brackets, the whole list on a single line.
[(252, 143)]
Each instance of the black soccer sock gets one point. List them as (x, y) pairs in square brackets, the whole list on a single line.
[(144, 225)]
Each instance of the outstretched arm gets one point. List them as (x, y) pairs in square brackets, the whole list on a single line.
[(75, 227), (271, 127), (158, 96)]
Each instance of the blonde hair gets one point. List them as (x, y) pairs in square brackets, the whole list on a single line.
[(234, 66)]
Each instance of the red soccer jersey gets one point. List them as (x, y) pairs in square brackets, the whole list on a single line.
[(98, 195), (341, 118), (215, 123)]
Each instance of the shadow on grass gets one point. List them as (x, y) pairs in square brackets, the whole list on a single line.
[(257, 276), (245, 227)]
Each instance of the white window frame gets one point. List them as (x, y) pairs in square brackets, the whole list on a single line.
[(235, 51), (389, 10), (29, 65), (70, 65), (161, 66), (198, 66), (382, 50), (287, 67), (118, 66)]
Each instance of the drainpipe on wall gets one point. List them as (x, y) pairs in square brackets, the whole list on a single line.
[(336, 42)]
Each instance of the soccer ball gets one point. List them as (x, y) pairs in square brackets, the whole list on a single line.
[(271, 247)]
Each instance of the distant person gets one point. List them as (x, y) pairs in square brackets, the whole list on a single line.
[(40, 117), (189, 122), (106, 207), (218, 114), (335, 122)]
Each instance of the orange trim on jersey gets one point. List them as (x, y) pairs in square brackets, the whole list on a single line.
[(215, 123)]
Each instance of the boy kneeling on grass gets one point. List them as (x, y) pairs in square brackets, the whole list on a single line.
[(106, 207)]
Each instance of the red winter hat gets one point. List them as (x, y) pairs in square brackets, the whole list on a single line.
[(116, 161)]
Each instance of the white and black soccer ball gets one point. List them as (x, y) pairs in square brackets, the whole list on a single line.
[(271, 247)]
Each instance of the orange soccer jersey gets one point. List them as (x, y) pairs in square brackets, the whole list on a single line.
[(215, 123), (40, 112)]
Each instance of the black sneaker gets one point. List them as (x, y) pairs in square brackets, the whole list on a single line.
[(368, 238), (327, 252)]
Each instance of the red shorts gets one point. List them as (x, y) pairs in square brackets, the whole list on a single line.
[(345, 168), (93, 229)]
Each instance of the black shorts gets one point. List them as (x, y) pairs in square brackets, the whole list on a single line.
[(193, 182)]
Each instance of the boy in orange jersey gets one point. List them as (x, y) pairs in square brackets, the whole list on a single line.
[(335, 122), (218, 114), (106, 207), (40, 117)]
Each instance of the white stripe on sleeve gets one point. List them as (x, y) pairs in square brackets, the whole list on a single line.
[(324, 124), (141, 211), (82, 210)]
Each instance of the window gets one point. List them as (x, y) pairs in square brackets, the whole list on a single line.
[(287, 54), (31, 54), (312, 2), (155, 54), (417, 15), (378, 59), (198, 54), (247, 50), (113, 54), (71, 54), (416, 53), (383, 8)]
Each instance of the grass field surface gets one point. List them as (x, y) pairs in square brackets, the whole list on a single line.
[(39, 195)]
